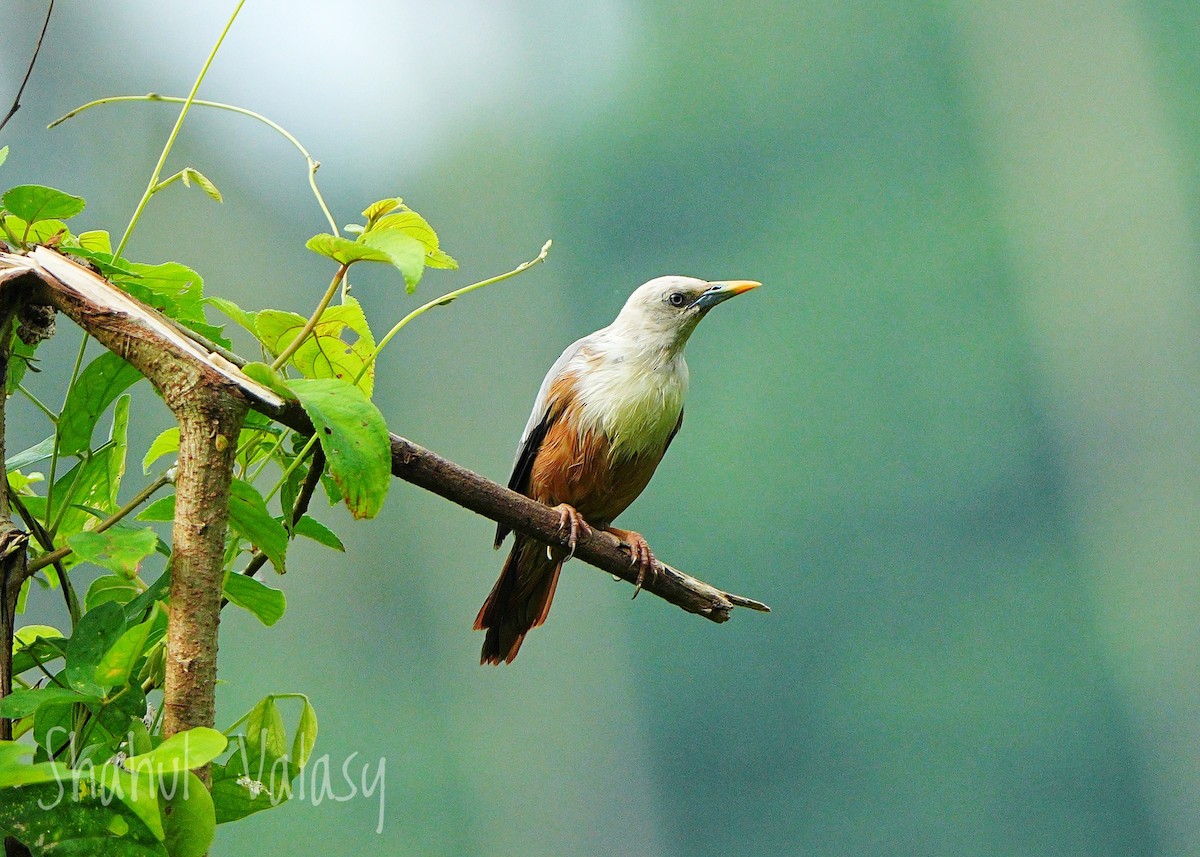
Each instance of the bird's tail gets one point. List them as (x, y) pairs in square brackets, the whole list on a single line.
[(519, 601)]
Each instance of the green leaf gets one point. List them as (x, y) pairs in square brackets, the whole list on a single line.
[(376, 210), (120, 549), (14, 772), (18, 482), (246, 784), (32, 203), (440, 259), (52, 727), (162, 509), (118, 662), (96, 240), (355, 439), (249, 518), (20, 359), (90, 824), (142, 606), (276, 329), (24, 701), (234, 312), (175, 289), (183, 751), (47, 649), (264, 602), (252, 778), (95, 634), (110, 587), (189, 820), (40, 232), (344, 250), (97, 387), (305, 738), (405, 252), (311, 528), (29, 633), (191, 174), (32, 455), (166, 443), (93, 824), (93, 483), (265, 375), (328, 354), (138, 792), (126, 704), (55, 819), (3, 155), (333, 492), (266, 735), (415, 225)]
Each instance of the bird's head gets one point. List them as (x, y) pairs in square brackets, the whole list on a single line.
[(664, 312)]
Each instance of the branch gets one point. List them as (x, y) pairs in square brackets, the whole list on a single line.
[(210, 408), (112, 316), (16, 105)]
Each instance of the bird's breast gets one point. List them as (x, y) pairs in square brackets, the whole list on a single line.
[(634, 405)]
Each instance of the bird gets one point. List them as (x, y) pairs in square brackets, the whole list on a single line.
[(603, 418)]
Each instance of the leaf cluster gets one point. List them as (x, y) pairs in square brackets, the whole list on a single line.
[(84, 696)]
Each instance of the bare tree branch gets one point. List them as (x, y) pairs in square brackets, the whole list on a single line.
[(16, 105), (100, 308)]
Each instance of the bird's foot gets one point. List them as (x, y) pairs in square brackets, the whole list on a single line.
[(639, 555), (573, 524)]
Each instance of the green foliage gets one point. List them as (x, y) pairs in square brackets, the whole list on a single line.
[(403, 239), (102, 779), (92, 701), (119, 549), (355, 439), (259, 771), (33, 203), (249, 518), (340, 345), (250, 594)]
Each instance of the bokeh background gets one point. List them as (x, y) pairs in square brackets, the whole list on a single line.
[(955, 441)]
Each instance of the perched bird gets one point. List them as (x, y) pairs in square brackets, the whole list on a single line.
[(605, 414)]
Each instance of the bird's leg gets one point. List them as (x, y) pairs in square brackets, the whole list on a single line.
[(573, 524), (639, 554)]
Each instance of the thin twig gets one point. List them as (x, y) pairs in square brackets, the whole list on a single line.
[(313, 163), (314, 320), (12, 111), (151, 186), (47, 542), (140, 498)]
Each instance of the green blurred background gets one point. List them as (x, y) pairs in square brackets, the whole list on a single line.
[(953, 442)]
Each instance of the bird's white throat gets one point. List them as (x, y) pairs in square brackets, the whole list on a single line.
[(634, 399)]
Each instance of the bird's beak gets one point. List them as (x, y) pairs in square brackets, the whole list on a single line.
[(721, 291)]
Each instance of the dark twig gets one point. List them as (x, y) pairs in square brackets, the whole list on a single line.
[(16, 105), (44, 539)]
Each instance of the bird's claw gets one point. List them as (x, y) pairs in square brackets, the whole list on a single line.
[(641, 556), (573, 524)]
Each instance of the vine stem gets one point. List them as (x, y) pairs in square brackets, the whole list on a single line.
[(142, 496), (152, 185), (294, 345), (54, 452), (313, 164)]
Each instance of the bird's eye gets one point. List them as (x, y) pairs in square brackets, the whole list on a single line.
[(677, 299)]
